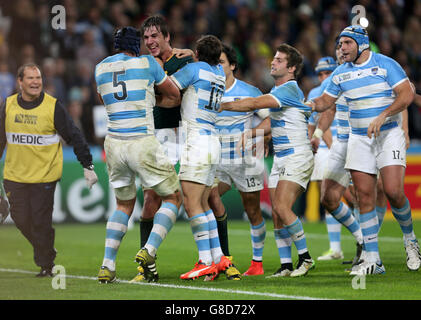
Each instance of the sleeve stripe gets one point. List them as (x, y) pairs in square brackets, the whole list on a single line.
[(176, 82), (162, 81), (330, 94), (279, 102), (399, 82)]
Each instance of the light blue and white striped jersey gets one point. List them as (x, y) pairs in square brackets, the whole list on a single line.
[(341, 115), (368, 90), (289, 122), (342, 119), (126, 85), (229, 124), (205, 86), (314, 118)]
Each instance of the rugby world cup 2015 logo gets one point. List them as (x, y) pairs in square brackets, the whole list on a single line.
[(26, 119), (344, 77)]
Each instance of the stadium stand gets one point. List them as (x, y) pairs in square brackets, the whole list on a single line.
[(254, 28)]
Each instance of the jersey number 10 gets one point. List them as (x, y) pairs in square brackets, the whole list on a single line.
[(215, 96)]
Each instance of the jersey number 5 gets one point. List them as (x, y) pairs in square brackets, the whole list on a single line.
[(215, 97), (117, 83)]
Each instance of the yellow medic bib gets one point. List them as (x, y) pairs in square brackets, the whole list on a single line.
[(34, 153)]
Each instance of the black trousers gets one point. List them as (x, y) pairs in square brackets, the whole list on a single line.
[(31, 208)]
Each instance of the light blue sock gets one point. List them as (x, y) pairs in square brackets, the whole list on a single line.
[(163, 221), (258, 235), (344, 215), (283, 242), (404, 217), (215, 245), (381, 211), (296, 232), (200, 228), (370, 229), (115, 230), (334, 232)]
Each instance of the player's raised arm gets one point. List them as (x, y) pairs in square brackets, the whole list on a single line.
[(183, 53), (322, 129), (322, 103), (169, 96), (404, 97), (250, 104)]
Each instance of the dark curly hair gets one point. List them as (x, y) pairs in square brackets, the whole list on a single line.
[(209, 49)]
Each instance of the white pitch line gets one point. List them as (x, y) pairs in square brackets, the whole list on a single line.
[(173, 286)]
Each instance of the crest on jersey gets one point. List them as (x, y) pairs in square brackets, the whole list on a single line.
[(374, 70)]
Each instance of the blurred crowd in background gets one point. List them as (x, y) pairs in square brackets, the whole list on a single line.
[(254, 28)]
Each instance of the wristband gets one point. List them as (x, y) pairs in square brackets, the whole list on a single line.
[(318, 133)]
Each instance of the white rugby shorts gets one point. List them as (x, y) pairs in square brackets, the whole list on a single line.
[(320, 162), (169, 138), (370, 155), (335, 168), (144, 157), (246, 177), (199, 158), (296, 167)]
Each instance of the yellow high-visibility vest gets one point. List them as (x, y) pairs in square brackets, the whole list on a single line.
[(34, 152)]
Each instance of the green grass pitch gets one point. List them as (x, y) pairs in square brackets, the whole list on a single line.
[(81, 248)]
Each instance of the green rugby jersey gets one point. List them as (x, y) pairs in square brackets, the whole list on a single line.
[(170, 117)]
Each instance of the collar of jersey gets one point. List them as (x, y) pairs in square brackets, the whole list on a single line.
[(169, 58), (290, 80), (364, 63), (233, 84)]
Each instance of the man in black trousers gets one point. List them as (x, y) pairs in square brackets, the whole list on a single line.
[(30, 124)]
